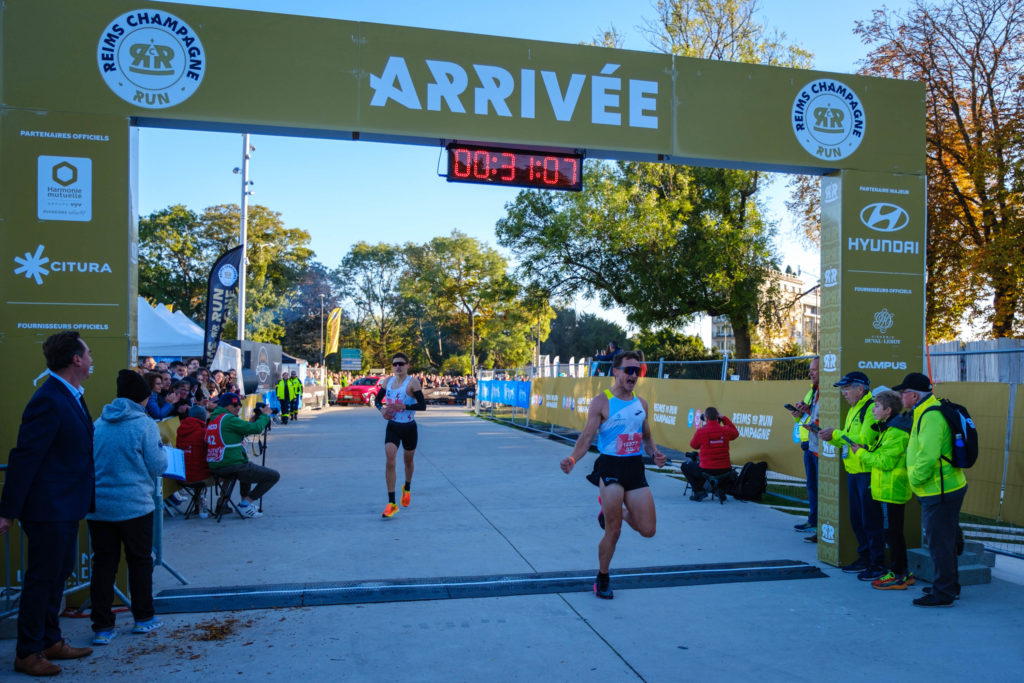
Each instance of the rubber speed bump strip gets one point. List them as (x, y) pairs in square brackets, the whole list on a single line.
[(230, 598)]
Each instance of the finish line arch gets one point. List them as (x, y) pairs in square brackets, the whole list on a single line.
[(76, 79)]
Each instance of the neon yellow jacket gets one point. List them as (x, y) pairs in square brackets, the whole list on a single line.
[(808, 399), (284, 390), (930, 440), (888, 462), (860, 431)]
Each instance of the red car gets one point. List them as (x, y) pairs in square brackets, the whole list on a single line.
[(362, 391)]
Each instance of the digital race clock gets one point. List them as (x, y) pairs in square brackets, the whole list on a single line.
[(515, 167)]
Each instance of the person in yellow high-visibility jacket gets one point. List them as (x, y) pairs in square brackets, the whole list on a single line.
[(285, 396), (296, 390)]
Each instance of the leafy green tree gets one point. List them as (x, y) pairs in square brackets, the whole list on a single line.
[(672, 345), (175, 257), (305, 322), (178, 248), (508, 337), (369, 279), (277, 258), (465, 277), (579, 335)]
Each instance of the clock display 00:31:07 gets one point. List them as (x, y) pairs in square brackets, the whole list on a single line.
[(515, 167)]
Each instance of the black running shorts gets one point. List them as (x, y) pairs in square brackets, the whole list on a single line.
[(403, 433), (628, 472)]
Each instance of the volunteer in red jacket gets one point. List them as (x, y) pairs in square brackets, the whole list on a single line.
[(712, 441)]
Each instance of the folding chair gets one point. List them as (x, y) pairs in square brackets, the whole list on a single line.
[(225, 486)]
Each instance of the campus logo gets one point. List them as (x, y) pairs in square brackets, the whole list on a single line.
[(151, 59), (35, 266), (828, 533), (63, 188), (228, 275), (830, 277), (828, 119), (828, 362), (883, 320), (883, 217), (263, 365), (881, 365)]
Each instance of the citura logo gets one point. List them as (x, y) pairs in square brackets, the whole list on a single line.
[(151, 59)]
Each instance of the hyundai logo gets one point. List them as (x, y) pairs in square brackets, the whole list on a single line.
[(884, 217)]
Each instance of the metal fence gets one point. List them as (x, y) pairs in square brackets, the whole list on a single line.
[(997, 361)]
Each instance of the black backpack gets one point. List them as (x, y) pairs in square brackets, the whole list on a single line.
[(962, 430), (752, 482)]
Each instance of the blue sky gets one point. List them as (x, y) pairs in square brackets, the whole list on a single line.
[(328, 187)]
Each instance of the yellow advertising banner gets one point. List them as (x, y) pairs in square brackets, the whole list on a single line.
[(333, 331), (191, 66), (1013, 497), (767, 431), (988, 403)]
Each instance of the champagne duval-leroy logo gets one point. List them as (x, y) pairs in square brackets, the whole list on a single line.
[(828, 119), (151, 59)]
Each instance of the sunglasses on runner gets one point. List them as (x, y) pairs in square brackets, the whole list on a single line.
[(631, 369), (398, 362)]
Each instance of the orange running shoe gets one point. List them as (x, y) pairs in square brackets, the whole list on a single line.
[(390, 511), (406, 497)]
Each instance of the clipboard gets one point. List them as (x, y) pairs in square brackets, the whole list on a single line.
[(175, 463)]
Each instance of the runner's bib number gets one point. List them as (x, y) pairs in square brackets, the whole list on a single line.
[(628, 444)]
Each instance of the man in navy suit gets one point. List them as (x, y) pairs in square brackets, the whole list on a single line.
[(50, 487)]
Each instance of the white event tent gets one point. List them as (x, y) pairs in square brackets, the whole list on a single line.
[(166, 334)]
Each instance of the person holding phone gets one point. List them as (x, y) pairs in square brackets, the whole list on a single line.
[(865, 512), (806, 413), (712, 443)]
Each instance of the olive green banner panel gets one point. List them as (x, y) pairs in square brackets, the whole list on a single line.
[(230, 69), (1013, 497), (988, 404), (767, 431), (69, 250)]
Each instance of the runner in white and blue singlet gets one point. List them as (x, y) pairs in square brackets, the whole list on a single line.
[(397, 398), (619, 419)]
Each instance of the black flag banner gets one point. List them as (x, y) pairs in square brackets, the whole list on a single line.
[(223, 282)]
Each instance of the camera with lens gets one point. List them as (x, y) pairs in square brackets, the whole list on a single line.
[(257, 411)]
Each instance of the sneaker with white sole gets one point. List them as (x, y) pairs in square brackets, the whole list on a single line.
[(147, 626), (248, 511)]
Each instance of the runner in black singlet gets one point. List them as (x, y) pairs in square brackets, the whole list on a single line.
[(619, 418)]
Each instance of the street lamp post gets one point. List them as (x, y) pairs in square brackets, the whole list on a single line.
[(246, 191), (321, 336)]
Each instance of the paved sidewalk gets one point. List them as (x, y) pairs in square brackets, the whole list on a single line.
[(491, 500)]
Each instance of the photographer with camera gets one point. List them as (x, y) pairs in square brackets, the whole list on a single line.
[(226, 456), (712, 441)]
